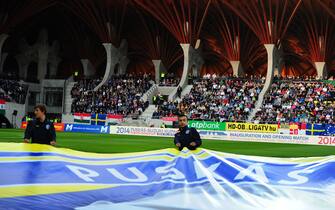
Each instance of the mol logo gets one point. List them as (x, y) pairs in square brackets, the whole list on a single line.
[(69, 127), (104, 129)]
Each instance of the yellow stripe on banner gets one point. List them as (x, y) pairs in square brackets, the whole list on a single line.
[(85, 162), (31, 190), (99, 162), (22, 147)]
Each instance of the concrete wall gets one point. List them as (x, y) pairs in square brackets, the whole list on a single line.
[(164, 90), (67, 118), (40, 88)]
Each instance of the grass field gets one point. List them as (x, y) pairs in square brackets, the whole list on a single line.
[(104, 143)]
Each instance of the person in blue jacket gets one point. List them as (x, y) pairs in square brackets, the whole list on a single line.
[(186, 136)]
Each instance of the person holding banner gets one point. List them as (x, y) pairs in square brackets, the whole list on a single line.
[(185, 136), (40, 130)]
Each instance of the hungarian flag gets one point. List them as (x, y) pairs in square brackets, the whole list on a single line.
[(114, 119), (2, 107), (82, 118)]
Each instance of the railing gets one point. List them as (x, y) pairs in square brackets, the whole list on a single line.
[(148, 95)]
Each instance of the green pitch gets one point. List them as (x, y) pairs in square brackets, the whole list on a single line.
[(104, 143)]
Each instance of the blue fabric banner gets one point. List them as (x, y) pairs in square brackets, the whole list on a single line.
[(44, 177)]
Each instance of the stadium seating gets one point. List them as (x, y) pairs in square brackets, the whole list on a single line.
[(298, 100), (12, 91), (121, 95), (216, 98), (165, 108)]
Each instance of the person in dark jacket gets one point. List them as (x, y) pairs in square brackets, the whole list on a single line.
[(179, 91), (40, 130), (186, 137)]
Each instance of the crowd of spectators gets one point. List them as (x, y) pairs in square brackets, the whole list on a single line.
[(120, 95), (217, 99), (305, 100), (165, 107), (13, 91)]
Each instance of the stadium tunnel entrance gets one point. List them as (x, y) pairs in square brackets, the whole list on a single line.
[(4, 122)]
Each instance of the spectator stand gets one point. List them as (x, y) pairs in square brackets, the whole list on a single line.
[(120, 95), (298, 100)]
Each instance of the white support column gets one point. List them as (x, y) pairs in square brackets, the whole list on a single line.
[(112, 60), (183, 81), (3, 38), (157, 65), (321, 69), (270, 49), (237, 68), (87, 67), (186, 51)]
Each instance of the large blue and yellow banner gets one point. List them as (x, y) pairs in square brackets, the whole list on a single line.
[(44, 177)]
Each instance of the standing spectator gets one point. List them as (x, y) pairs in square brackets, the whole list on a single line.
[(179, 90)]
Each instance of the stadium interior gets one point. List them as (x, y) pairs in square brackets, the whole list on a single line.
[(167, 104), (226, 61)]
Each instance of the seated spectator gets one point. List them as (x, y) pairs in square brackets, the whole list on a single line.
[(217, 99), (121, 95), (300, 100), (166, 109), (13, 91)]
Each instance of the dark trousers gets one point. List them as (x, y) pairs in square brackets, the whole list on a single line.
[(188, 147)]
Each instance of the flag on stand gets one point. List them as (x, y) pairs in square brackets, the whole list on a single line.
[(2, 107), (315, 129), (114, 119), (98, 119), (82, 118)]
